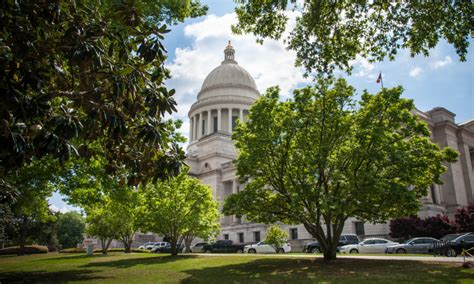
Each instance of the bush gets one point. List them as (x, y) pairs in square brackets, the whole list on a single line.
[(73, 250), (412, 227), (464, 218), (34, 249)]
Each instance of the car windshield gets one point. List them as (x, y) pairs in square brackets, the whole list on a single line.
[(450, 237), (409, 241)]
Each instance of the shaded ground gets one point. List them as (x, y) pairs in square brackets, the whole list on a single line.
[(152, 268)]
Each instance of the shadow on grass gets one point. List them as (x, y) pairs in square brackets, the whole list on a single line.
[(125, 263), (49, 277), (339, 271)]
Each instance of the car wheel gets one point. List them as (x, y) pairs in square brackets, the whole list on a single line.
[(280, 250), (401, 251), (451, 252), (315, 250), (252, 251), (354, 251), (240, 251)]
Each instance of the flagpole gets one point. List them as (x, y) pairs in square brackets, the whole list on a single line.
[(381, 82)]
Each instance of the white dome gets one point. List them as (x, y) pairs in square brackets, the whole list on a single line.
[(228, 75)]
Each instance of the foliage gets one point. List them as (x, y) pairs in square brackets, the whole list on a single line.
[(321, 158), (464, 218), (411, 227), (27, 250), (71, 227), (31, 219), (332, 34), (78, 74), (179, 207), (276, 236)]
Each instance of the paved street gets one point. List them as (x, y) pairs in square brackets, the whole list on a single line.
[(381, 257)]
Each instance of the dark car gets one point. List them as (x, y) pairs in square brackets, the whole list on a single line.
[(415, 245), (167, 249), (344, 239), (453, 244), (223, 246)]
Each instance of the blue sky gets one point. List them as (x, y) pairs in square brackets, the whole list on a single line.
[(196, 46)]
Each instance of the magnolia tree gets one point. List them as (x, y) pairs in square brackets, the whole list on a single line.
[(322, 158), (180, 208)]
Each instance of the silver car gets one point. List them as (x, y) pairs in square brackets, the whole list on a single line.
[(415, 245), (372, 245)]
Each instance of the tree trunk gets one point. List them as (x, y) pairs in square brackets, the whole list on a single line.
[(187, 243), (22, 239), (329, 255), (174, 248)]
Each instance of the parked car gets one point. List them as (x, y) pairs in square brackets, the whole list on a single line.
[(453, 244), (344, 239), (262, 247), (371, 245), (159, 245), (223, 246), (198, 247), (166, 248), (148, 245), (415, 245)]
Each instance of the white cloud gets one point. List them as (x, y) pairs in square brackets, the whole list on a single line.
[(63, 209), (415, 72), (362, 67), (270, 64), (441, 63)]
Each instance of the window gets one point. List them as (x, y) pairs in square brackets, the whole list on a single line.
[(469, 239), (359, 228), (215, 124), (433, 194), (256, 236), (380, 241), (241, 237), (203, 127), (294, 233), (369, 242), (234, 121), (226, 236), (238, 220)]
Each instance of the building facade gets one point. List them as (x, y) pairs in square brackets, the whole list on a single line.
[(227, 94)]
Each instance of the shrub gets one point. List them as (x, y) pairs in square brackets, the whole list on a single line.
[(464, 218), (73, 250), (412, 227), (276, 236), (34, 249)]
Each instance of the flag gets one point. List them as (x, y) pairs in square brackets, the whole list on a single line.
[(379, 79)]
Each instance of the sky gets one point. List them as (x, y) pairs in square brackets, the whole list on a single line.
[(196, 46)]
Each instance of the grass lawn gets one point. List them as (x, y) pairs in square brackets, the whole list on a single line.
[(152, 268)]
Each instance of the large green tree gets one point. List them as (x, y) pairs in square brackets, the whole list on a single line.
[(179, 208), (331, 34), (70, 229), (321, 158), (76, 73)]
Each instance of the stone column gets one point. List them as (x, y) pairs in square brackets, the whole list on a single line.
[(191, 130), (235, 189), (209, 118), (241, 115), (219, 120), (196, 127), (230, 120), (199, 126)]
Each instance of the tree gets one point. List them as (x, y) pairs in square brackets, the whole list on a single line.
[(102, 225), (321, 158), (464, 218), (406, 228), (276, 237), (331, 34), (71, 227), (180, 207), (76, 74), (438, 226), (29, 215)]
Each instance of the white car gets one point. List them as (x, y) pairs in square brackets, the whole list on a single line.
[(148, 245), (196, 247), (262, 247), (372, 245)]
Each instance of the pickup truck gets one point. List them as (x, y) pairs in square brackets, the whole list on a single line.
[(223, 246)]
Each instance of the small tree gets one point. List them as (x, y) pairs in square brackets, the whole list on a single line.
[(406, 227), (276, 237), (179, 208), (71, 227), (102, 225), (464, 218), (438, 226)]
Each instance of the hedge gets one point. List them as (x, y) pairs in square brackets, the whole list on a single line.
[(79, 250), (28, 250)]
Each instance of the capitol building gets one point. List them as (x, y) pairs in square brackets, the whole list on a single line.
[(226, 96)]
